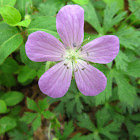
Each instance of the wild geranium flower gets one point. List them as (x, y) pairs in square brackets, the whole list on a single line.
[(71, 57)]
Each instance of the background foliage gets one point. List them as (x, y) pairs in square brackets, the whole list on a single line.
[(27, 114)]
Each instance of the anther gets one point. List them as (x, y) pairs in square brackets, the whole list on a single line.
[(83, 68), (67, 67), (87, 53), (65, 64), (74, 44), (76, 70), (81, 49)]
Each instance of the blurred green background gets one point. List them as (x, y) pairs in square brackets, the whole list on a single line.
[(28, 114)]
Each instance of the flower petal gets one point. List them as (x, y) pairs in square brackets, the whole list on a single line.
[(56, 81), (90, 81), (101, 50), (42, 46), (70, 25)]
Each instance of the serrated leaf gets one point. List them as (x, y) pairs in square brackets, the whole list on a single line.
[(6, 124), (12, 98), (85, 122), (133, 69), (126, 92), (134, 7), (120, 3), (109, 17), (43, 104), (91, 17), (9, 42), (37, 122), (68, 129), (26, 74), (28, 117), (10, 15), (48, 114), (129, 37), (107, 93), (3, 107), (31, 104), (136, 131), (121, 61)]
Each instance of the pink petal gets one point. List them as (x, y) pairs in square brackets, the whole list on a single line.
[(90, 81), (70, 25), (42, 46), (56, 81), (101, 50)]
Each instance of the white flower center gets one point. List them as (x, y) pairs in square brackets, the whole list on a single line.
[(72, 55)]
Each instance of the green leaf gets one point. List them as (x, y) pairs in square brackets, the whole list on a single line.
[(134, 7), (12, 98), (136, 131), (120, 3), (24, 23), (111, 18), (107, 93), (129, 37), (6, 124), (85, 122), (48, 114), (68, 129), (26, 74), (133, 69), (41, 71), (122, 61), (126, 92), (43, 104), (27, 61), (31, 104), (36, 123), (81, 1), (44, 23), (9, 42), (3, 107), (28, 117), (24, 5), (7, 2), (7, 80), (9, 66), (10, 15), (53, 6), (91, 17)]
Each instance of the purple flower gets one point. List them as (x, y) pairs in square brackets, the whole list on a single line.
[(72, 58)]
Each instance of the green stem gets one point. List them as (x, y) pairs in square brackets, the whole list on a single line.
[(49, 132)]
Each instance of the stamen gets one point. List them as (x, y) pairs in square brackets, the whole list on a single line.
[(74, 44), (65, 64), (87, 53), (83, 68), (76, 70), (67, 67), (81, 49)]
